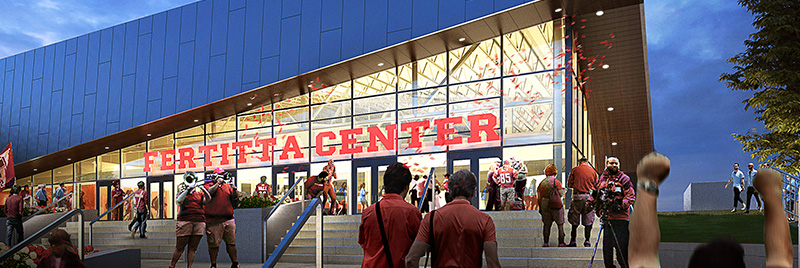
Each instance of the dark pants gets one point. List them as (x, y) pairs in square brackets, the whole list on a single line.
[(519, 187), (425, 203), (414, 197), (42, 203), (141, 222), (620, 228), (752, 192), (492, 202), (736, 198), (117, 213), (14, 224)]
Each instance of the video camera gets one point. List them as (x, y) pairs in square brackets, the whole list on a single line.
[(608, 199)]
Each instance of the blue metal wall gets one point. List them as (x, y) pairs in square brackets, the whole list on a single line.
[(110, 80)]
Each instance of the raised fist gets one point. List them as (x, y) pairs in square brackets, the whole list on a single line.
[(768, 183), (653, 167)]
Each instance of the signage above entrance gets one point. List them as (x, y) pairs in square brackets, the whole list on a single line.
[(387, 136)]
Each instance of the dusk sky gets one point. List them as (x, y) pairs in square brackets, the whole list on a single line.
[(688, 42)]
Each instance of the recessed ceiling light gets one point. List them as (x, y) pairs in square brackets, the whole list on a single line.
[(599, 13), (249, 104), (610, 109), (558, 9), (196, 120), (59, 172), (380, 64), (35, 169), (69, 159), (462, 39), (106, 147), (614, 143), (148, 134), (605, 66)]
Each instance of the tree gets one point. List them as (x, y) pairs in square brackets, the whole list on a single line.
[(770, 66)]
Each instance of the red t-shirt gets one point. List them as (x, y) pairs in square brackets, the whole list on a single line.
[(401, 221), (582, 178), (262, 189), (13, 207), (192, 209), (220, 208), (117, 194), (140, 198), (460, 231), (507, 175), (313, 186)]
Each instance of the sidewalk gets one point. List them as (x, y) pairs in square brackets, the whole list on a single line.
[(181, 264)]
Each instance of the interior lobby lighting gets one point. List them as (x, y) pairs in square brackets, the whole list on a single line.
[(462, 39), (558, 10), (614, 143), (35, 169), (106, 147), (148, 134), (599, 13), (249, 104), (605, 66), (610, 109), (380, 64), (69, 159), (196, 120)]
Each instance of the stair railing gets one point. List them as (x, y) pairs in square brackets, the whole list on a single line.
[(45, 231), (425, 192), (91, 231), (314, 205), (272, 211), (792, 187)]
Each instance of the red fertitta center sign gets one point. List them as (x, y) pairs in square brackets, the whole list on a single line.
[(387, 137)]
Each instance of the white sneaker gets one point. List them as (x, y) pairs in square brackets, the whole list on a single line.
[(733, 210), (742, 207)]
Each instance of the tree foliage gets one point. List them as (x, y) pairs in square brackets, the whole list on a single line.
[(770, 66)]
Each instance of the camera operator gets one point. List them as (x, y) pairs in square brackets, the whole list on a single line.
[(616, 196)]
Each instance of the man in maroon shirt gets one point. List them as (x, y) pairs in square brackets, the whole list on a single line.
[(13, 209), (505, 177), (618, 219), (220, 224), (400, 222), (117, 196), (582, 180), (461, 233), (140, 205)]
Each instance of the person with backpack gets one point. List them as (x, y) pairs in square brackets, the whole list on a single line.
[(551, 207)]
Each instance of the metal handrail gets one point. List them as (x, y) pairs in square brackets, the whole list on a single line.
[(783, 187), (425, 192), (47, 229), (315, 204), (104, 214), (265, 218), (275, 207), (48, 206)]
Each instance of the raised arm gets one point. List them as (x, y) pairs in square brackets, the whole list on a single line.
[(644, 230), (777, 239)]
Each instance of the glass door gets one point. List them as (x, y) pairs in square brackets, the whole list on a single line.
[(161, 194), (479, 162), (284, 177), (104, 198), (369, 179)]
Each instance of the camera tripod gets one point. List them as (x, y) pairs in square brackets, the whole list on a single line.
[(604, 220)]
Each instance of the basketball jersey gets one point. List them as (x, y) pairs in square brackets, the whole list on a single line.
[(506, 176)]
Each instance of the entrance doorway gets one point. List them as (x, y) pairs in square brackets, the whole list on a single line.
[(284, 177), (477, 161), (104, 198), (368, 172), (161, 194)]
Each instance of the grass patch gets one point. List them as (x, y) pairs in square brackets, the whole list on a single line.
[(704, 226)]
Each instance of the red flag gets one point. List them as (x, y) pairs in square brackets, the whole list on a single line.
[(7, 175)]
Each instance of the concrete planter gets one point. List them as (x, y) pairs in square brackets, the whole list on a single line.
[(248, 238)]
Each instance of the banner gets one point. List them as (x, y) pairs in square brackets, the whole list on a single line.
[(7, 175)]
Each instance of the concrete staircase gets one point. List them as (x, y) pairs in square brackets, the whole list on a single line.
[(519, 238), (159, 244)]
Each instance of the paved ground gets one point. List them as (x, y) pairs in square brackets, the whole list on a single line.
[(181, 264)]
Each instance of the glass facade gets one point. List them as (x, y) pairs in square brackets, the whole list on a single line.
[(520, 78)]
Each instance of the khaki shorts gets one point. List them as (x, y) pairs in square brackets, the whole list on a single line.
[(188, 228), (507, 194), (580, 212), (217, 232)]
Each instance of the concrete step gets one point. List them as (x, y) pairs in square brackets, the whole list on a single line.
[(121, 229), (511, 252), (122, 223), (308, 232), (523, 241), (166, 255), (504, 261)]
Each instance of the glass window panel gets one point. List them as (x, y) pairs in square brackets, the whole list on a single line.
[(198, 130), (221, 138), (530, 50), (373, 120), (301, 100), (256, 120), (378, 83), (331, 94), (465, 109), (423, 97), (528, 123), (413, 115), (133, 161), (428, 72), (86, 195), (63, 174), (335, 109), (109, 166), (333, 125), (247, 179), (26, 181), (255, 153), (477, 90), (300, 132), (476, 61), (43, 178), (535, 158), (156, 145), (222, 125), (289, 116), (86, 170), (528, 89), (374, 104)]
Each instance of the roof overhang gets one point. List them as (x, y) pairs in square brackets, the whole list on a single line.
[(625, 86)]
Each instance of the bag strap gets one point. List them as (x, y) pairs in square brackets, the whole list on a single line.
[(432, 241), (386, 249)]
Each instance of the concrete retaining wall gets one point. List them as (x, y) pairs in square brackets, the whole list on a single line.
[(711, 196)]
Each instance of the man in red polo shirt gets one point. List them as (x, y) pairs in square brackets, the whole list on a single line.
[(582, 180), (219, 217), (461, 233), (400, 222)]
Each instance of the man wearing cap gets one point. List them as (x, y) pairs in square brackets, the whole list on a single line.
[(220, 225), (582, 180)]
